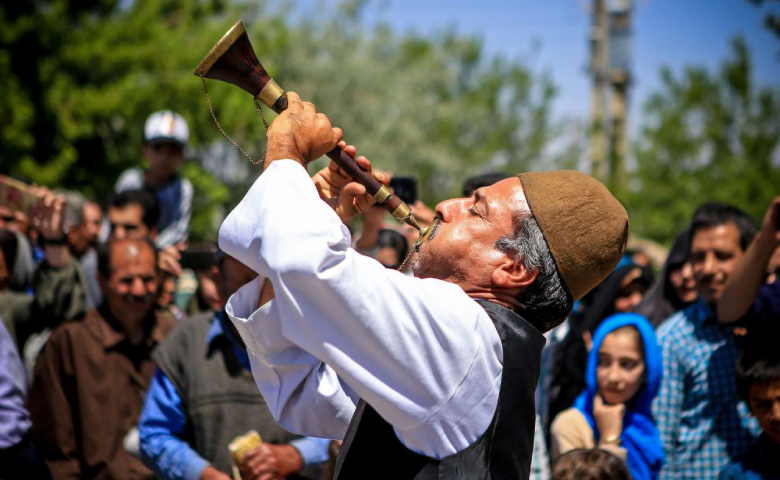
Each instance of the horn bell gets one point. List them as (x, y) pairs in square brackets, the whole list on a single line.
[(233, 60)]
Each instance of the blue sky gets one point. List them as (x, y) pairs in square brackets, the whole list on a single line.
[(551, 36)]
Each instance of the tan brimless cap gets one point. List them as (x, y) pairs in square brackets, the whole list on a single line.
[(585, 227)]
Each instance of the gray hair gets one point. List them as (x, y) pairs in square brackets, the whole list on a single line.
[(545, 303)]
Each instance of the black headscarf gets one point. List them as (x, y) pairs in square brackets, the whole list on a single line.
[(661, 301), (607, 292)]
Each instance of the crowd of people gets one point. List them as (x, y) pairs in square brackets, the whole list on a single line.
[(120, 359)]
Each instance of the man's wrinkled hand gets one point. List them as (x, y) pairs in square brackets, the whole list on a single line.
[(270, 462), (346, 196), (300, 133)]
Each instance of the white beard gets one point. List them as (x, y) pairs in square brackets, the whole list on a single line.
[(418, 263)]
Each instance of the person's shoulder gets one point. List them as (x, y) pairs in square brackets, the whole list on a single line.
[(197, 325), (89, 325), (75, 335), (570, 430), (186, 185), (569, 419), (191, 331), (165, 322), (677, 325)]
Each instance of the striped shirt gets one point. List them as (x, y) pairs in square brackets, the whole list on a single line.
[(703, 423)]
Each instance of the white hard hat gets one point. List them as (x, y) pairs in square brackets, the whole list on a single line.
[(166, 126)]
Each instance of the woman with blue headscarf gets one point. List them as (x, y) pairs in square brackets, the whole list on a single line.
[(623, 377)]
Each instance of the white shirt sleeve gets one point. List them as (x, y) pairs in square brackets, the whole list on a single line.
[(303, 394), (422, 353)]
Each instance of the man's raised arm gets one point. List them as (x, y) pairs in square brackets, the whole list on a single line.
[(748, 275)]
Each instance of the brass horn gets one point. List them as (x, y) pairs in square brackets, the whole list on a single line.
[(233, 60)]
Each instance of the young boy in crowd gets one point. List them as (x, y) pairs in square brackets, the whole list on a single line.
[(758, 381)]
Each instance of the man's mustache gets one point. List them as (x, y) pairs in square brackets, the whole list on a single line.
[(129, 297), (427, 236)]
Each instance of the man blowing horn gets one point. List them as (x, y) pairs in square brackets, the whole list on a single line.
[(430, 377)]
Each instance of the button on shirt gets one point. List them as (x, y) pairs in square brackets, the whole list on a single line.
[(703, 423), (163, 421), (87, 394)]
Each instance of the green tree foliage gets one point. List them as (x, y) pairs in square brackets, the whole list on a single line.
[(83, 77), (707, 136), (80, 77)]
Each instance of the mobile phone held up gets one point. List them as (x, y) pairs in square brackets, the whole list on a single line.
[(405, 188), (198, 258)]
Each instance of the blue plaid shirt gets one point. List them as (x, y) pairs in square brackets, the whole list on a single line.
[(703, 423)]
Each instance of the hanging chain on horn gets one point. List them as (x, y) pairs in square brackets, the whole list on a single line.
[(259, 107)]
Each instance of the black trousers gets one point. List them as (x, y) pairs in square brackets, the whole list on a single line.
[(22, 462)]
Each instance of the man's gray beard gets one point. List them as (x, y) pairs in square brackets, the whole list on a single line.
[(417, 262)]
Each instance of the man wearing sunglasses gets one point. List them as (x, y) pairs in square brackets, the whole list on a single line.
[(165, 137)]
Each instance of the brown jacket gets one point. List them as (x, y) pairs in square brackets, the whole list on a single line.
[(87, 393)]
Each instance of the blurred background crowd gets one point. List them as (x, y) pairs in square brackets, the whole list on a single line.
[(117, 360)]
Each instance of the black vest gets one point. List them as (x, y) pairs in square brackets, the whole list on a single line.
[(372, 450)]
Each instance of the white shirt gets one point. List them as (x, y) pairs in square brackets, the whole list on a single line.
[(422, 353)]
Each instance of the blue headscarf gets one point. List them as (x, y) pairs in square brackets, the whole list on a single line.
[(640, 437)]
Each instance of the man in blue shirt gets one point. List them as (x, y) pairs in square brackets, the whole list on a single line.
[(203, 395), (702, 422)]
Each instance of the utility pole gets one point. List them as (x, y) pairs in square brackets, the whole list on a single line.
[(620, 77), (599, 51), (610, 70)]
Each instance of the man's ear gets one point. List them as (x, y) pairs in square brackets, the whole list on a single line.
[(153, 233), (512, 274)]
